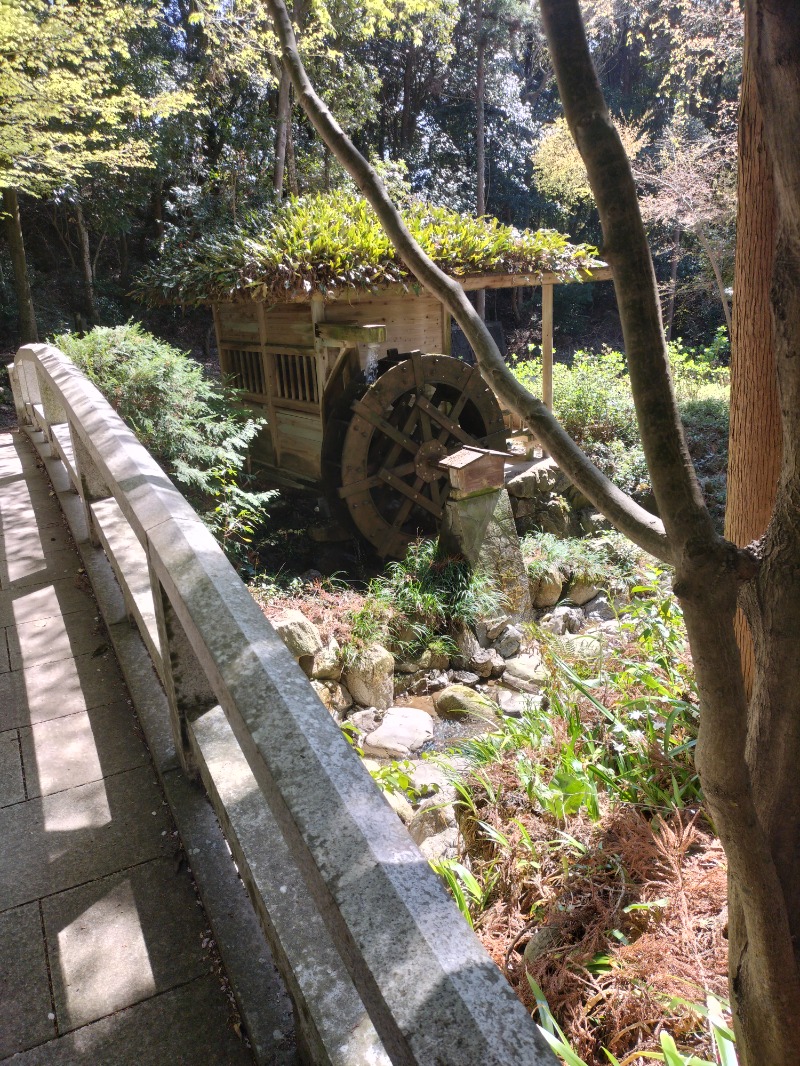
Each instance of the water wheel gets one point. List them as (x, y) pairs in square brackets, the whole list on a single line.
[(419, 410)]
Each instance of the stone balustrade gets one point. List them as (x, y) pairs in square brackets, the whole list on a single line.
[(379, 963)]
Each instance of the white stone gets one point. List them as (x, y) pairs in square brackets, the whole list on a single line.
[(299, 635), (581, 592), (528, 668), (370, 679), (403, 730)]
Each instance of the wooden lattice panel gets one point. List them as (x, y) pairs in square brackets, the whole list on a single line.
[(245, 369), (296, 378)]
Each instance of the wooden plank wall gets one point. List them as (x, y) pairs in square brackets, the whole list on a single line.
[(411, 321)]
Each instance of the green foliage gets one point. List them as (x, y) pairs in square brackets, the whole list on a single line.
[(66, 92), (397, 777), (593, 401), (195, 428), (334, 241), (607, 560), (635, 744), (417, 603)]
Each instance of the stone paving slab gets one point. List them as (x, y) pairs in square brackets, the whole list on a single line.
[(187, 1026), (25, 1001), (78, 748), (47, 640), (27, 539), (61, 841), (101, 934), (34, 568), (12, 786), (82, 682), (122, 939), (43, 601)]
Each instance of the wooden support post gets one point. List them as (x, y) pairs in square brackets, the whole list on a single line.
[(547, 344)]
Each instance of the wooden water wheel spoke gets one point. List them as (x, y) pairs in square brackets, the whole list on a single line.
[(419, 411), (385, 427), (371, 482), (415, 492), (453, 428)]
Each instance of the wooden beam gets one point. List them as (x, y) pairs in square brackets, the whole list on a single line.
[(547, 345), (350, 333), (515, 281)]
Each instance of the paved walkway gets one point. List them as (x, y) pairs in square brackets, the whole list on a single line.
[(104, 955)]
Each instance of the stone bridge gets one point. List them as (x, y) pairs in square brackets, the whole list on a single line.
[(195, 866)]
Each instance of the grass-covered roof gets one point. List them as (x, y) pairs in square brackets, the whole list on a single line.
[(332, 242)]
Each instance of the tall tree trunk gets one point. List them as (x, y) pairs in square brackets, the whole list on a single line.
[(480, 135), (705, 244), (27, 316), (86, 265), (673, 279), (291, 161), (406, 113), (754, 453), (281, 133)]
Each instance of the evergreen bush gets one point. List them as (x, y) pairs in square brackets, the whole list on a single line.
[(194, 427)]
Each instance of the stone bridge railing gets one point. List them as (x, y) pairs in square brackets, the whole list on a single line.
[(379, 963)]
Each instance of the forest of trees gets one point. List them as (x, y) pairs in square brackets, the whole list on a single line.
[(120, 131)]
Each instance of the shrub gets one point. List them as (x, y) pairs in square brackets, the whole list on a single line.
[(195, 428), (419, 601), (593, 401)]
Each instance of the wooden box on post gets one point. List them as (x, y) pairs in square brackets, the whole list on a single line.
[(474, 470)]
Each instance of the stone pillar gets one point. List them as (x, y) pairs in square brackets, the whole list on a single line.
[(479, 525)]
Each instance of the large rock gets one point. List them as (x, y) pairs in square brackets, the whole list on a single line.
[(326, 664), (546, 587), (400, 805), (300, 636), (514, 704), (541, 478), (508, 643), (564, 620), (581, 591), (432, 820), (528, 668), (370, 678), (442, 846), (402, 731), (599, 610), (335, 697), (460, 700)]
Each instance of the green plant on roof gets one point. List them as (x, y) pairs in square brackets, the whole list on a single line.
[(329, 241)]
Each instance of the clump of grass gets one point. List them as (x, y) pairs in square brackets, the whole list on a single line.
[(421, 602), (330, 241), (610, 560)]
